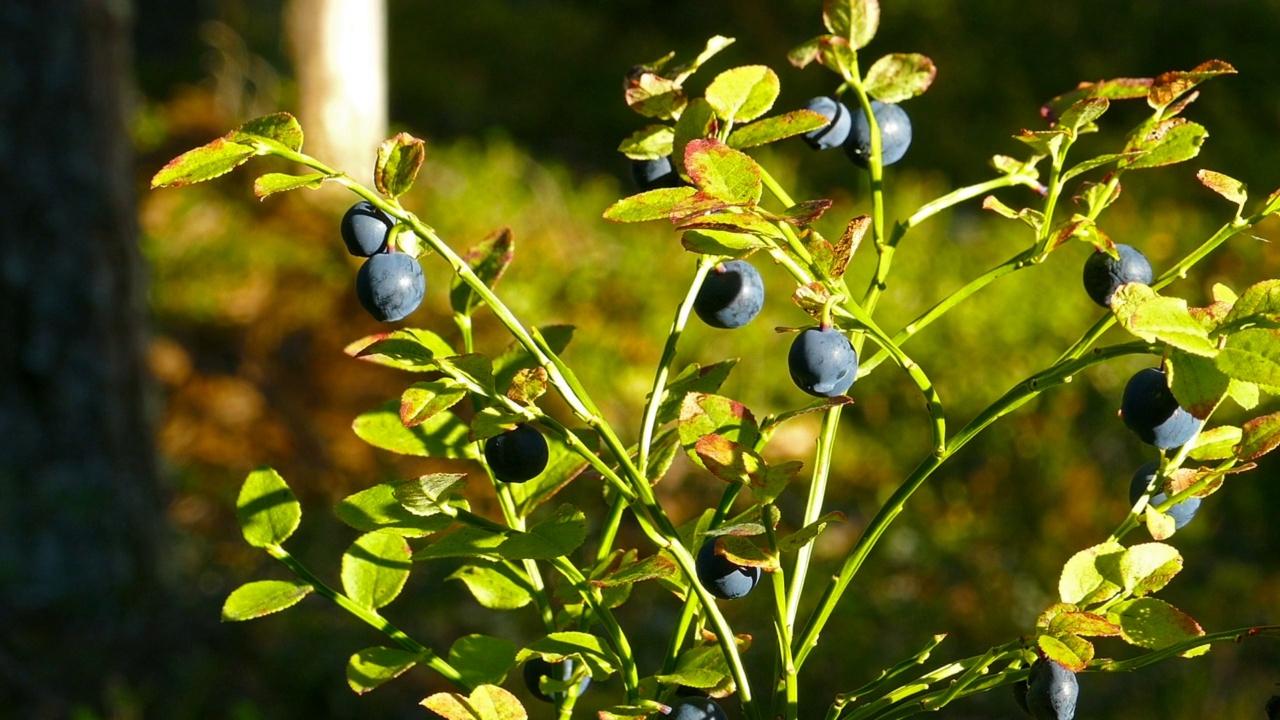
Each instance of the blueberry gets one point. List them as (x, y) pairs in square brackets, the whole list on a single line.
[(365, 228), (836, 131), (1181, 513), (1103, 274), (653, 174), (517, 455), (1152, 413), (1051, 691), (390, 286), (1020, 695), (823, 362), (723, 578), (731, 295), (697, 709), (895, 135), (537, 668)]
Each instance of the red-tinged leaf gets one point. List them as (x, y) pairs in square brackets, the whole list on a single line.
[(722, 172), (1197, 383), (702, 414), (1170, 86), (804, 212), (422, 401), (528, 385), (733, 223), (487, 702), (399, 160), (1154, 624), (900, 76), (1061, 653), (654, 567), (1046, 618), (203, 163), (277, 128), (1167, 142), (1260, 436), (741, 551), (489, 260), (650, 205), (773, 129), (1227, 187), (1116, 89), (1083, 113), (848, 244), (806, 52), (1083, 623), (654, 96)]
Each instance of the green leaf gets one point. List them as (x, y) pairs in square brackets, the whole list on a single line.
[(1167, 142), (267, 509), (263, 597), (899, 76), (1259, 436), (1043, 142), (854, 20), (1162, 526), (806, 534), (1245, 394), (489, 260), (1082, 114), (1253, 356), (464, 542), (1155, 318), (516, 358), (1216, 444), (272, 183), (693, 378), (281, 129), (491, 422), (696, 122), (652, 95), (528, 385), (375, 569), (656, 204), (560, 646), (1259, 302), (1097, 162), (1083, 583), (409, 349), (1197, 383), (1061, 653), (374, 666), (806, 52), (473, 369), (442, 436), (422, 401), (1116, 89), (649, 143), (377, 509), (399, 160), (431, 494), (743, 94), (1154, 624), (494, 585), (203, 163), (733, 222), (721, 242), (481, 659), (654, 567), (1170, 86), (773, 129), (703, 667), (702, 414), (1148, 567), (556, 536), (722, 172), (486, 702), (713, 47), (1228, 187)]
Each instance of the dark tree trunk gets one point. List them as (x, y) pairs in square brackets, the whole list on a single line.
[(80, 506)]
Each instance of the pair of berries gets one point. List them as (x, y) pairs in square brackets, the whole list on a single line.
[(852, 131), (390, 284)]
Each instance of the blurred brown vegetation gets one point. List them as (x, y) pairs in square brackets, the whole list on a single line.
[(519, 101)]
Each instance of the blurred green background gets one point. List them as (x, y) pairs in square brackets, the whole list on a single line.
[(521, 106)]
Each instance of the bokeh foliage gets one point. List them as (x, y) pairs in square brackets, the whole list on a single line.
[(254, 302)]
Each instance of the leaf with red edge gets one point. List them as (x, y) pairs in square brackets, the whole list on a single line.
[(722, 172), (1115, 89), (773, 129), (650, 205), (489, 259), (399, 160), (1259, 436), (1197, 383), (203, 163), (900, 76), (1168, 87), (741, 551), (1228, 187), (1154, 624)]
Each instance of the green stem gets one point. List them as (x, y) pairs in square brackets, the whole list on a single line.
[(813, 509), (372, 618), (876, 687), (780, 625), (617, 638)]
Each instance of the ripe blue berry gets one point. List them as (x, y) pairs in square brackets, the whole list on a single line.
[(537, 668), (1153, 414), (517, 455), (1182, 513), (1052, 691), (836, 131), (895, 135), (390, 286), (697, 709), (653, 174), (731, 295), (823, 362), (1103, 274), (723, 578), (364, 229)]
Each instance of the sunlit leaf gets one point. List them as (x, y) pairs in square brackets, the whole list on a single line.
[(267, 509), (263, 597)]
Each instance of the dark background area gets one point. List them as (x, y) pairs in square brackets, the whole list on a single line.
[(520, 102)]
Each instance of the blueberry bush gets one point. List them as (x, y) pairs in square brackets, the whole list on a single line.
[(522, 414)]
